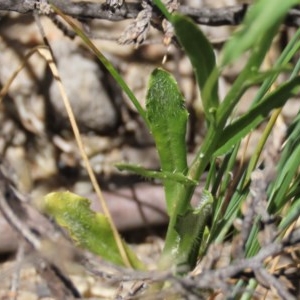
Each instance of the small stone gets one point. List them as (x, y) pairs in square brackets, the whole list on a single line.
[(84, 85)]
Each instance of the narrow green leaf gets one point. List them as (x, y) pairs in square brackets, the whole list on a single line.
[(252, 245), (285, 57), (257, 55), (225, 221), (283, 181), (202, 57), (162, 175), (261, 17), (291, 216), (167, 118), (292, 142), (245, 78), (89, 229), (259, 77), (234, 132)]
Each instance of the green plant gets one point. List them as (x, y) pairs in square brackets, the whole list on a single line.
[(191, 230)]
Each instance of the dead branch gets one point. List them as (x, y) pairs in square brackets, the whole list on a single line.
[(33, 227), (231, 15)]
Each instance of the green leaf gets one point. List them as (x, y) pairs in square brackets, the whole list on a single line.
[(167, 118), (285, 57), (234, 132), (163, 175), (261, 44), (182, 249), (260, 19), (292, 141), (190, 228), (202, 57), (291, 216), (283, 181), (89, 229)]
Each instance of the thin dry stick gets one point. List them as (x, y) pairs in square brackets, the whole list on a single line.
[(46, 53), (5, 88), (13, 218)]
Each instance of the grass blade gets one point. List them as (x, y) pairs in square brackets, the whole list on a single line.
[(234, 132), (256, 26)]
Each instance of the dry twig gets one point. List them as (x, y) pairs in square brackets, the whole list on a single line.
[(231, 15)]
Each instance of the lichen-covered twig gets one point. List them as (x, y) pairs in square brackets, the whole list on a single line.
[(231, 15)]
